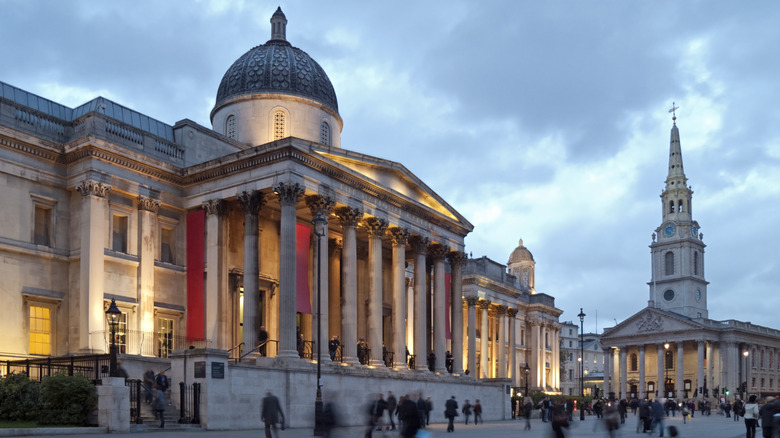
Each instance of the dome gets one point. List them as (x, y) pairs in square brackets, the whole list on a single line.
[(520, 254), (277, 67)]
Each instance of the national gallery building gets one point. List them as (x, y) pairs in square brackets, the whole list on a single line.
[(671, 348), (205, 237)]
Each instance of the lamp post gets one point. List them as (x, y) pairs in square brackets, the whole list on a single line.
[(745, 353), (582, 363), (112, 315), (319, 230), (666, 353), (527, 371)]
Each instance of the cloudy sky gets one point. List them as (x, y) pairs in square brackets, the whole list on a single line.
[(543, 120)]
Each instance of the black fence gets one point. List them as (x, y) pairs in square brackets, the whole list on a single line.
[(138, 392), (93, 367), (189, 403)]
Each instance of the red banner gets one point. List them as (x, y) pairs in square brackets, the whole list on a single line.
[(196, 321), (303, 296)]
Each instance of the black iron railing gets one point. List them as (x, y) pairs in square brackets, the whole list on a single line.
[(189, 403), (94, 367)]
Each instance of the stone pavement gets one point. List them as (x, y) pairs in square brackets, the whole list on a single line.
[(714, 426)]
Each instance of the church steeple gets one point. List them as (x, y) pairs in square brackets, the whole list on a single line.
[(677, 196)]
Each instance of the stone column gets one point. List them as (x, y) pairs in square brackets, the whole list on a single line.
[(623, 372), (456, 259), (699, 369), (89, 305), (537, 354), (556, 357), (334, 288), (376, 229), (215, 323), (642, 388), (484, 305), (661, 382), (543, 342), (512, 361), (147, 244), (710, 369), (288, 195), (500, 340), (252, 202), (680, 370), (418, 245), (471, 302), (607, 371), (438, 252), (320, 205), (399, 237), (349, 219)]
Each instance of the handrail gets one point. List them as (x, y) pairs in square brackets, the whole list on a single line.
[(237, 346), (263, 344)]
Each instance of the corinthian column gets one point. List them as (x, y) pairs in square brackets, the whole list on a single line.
[(499, 341), (456, 259), (349, 219), (89, 304), (642, 390), (252, 202), (288, 194), (147, 244), (438, 252), (334, 287), (216, 303), (484, 369), (511, 314), (471, 365), (320, 205), (376, 229), (399, 236), (418, 245)]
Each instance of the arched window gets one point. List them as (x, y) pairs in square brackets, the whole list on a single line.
[(669, 263), (325, 133), (696, 263), (280, 125), (671, 206), (680, 206), (634, 362), (230, 126)]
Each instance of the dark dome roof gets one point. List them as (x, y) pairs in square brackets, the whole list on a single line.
[(277, 67)]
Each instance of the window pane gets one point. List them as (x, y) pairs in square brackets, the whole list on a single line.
[(40, 330)]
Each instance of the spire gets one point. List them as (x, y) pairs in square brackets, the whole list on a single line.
[(676, 174), (279, 25)]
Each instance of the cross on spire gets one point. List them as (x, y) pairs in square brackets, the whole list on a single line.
[(673, 110)]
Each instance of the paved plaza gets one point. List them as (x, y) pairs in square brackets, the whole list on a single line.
[(714, 426)]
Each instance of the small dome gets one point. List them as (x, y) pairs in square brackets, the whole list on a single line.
[(520, 254), (277, 67)]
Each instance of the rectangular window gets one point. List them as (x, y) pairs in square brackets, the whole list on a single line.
[(166, 246), (42, 226), (119, 234), (40, 330), (165, 342), (121, 334)]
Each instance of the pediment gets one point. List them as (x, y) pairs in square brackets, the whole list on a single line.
[(650, 322)]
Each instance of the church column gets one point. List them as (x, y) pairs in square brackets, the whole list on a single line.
[(484, 305), (288, 194), (438, 252), (399, 236), (252, 202), (661, 382), (418, 245), (710, 368), (349, 219), (147, 244), (499, 340), (700, 369), (680, 370), (334, 288), (512, 362), (320, 205), (623, 372), (732, 367), (642, 388), (456, 259), (607, 372), (471, 302), (375, 228), (94, 197)]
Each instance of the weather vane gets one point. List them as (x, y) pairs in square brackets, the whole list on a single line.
[(673, 110)]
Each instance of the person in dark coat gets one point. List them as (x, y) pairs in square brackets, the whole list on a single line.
[(333, 347), (162, 381), (477, 413), (767, 412), (149, 385), (159, 404), (466, 410), (451, 411), (271, 414), (392, 405), (657, 413), (421, 408), (262, 340), (409, 416)]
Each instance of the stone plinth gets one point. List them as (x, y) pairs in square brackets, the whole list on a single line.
[(114, 405)]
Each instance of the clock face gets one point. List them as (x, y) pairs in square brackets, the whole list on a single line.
[(669, 295), (698, 294), (669, 230), (694, 231)]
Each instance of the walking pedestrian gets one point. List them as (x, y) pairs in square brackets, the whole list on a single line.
[(528, 408), (392, 405), (466, 410), (159, 404), (451, 411), (750, 414), (409, 417), (477, 413), (271, 414)]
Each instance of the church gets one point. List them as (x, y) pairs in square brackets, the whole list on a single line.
[(671, 348)]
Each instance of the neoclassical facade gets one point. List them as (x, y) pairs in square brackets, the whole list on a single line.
[(671, 348)]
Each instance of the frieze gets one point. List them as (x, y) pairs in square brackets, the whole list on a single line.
[(650, 323)]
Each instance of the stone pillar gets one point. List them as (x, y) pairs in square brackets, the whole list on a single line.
[(607, 371), (699, 369), (334, 288), (288, 195), (543, 342), (399, 237), (537, 350), (500, 340), (114, 405), (215, 327), (471, 366), (680, 385), (418, 245), (484, 305), (438, 252), (642, 388), (89, 305), (349, 219), (320, 205), (710, 369), (623, 372), (376, 229), (252, 202), (512, 361), (556, 358), (456, 259), (661, 382), (147, 244)]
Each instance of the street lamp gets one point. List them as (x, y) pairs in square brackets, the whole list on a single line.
[(112, 315), (527, 371), (666, 353), (582, 364), (319, 230), (745, 353)]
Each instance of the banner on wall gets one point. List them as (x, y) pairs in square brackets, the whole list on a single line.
[(196, 321)]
